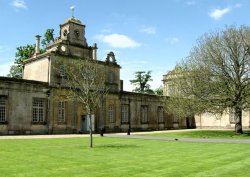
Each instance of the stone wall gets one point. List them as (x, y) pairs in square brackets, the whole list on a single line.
[(37, 70), (19, 95)]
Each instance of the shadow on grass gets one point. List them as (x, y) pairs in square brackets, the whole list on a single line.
[(117, 146)]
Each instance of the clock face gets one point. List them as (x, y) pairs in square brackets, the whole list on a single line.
[(63, 48), (77, 33)]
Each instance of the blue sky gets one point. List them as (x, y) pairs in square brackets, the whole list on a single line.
[(144, 34)]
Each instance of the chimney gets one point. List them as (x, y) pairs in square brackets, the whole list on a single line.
[(121, 85), (37, 50), (94, 51)]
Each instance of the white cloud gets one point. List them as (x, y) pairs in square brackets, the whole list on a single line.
[(19, 4), (219, 13), (173, 40), (118, 40), (190, 3), (216, 14), (149, 30)]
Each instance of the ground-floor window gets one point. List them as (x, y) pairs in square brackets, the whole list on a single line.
[(144, 114), (125, 113), (3, 108), (231, 115), (111, 112), (175, 119), (38, 110), (160, 112), (61, 111)]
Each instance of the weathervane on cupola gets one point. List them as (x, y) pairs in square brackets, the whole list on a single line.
[(72, 8)]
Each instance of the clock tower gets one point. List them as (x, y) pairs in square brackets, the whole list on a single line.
[(73, 31), (72, 41)]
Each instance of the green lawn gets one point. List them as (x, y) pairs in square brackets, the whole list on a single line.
[(121, 157), (223, 134)]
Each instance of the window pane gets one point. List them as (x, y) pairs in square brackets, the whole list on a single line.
[(3, 105), (61, 111), (111, 112), (160, 114), (125, 113), (38, 110), (144, 114)]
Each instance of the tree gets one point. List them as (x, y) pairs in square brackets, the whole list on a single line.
[(141, 82), (22, 53), (85, 79), (25, 52), (48, 37), (159, 91), (215, 76), (15, 72)]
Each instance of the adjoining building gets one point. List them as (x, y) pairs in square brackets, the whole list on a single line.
[(208, 120), (27, 106)]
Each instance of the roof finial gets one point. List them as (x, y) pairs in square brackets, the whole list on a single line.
[(72, 8)]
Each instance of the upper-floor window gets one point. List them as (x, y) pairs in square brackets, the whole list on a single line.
[(61, 111), (62, 70), (111, 112), (125, 113), (3, 108), (171, 90), (38, 110), (160, 112), (111, 77), (144, 114)]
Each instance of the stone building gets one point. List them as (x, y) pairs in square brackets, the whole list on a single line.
[(208, 120), (27, 106)]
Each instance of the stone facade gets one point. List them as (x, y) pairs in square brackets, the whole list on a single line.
[(17, 99), (29, 105), (207, 120)]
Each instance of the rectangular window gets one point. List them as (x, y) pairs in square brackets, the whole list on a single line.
[(111, 112), (61, 111), (175, 119), (160, 112), (125, 113), (3, 105), (144, 114), (231, 115), (38, 110)]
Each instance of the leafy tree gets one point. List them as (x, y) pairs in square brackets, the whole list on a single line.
[(159, 91), (25, 52), (215, 76), (48, 37), (22, 53), (85, 80), (141, 82), (15, 72)]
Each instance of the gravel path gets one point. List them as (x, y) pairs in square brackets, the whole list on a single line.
[(202, 140), (135, 135)]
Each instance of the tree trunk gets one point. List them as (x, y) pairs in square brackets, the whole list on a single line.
[(90, 131), (90, 127), (238, 122)]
